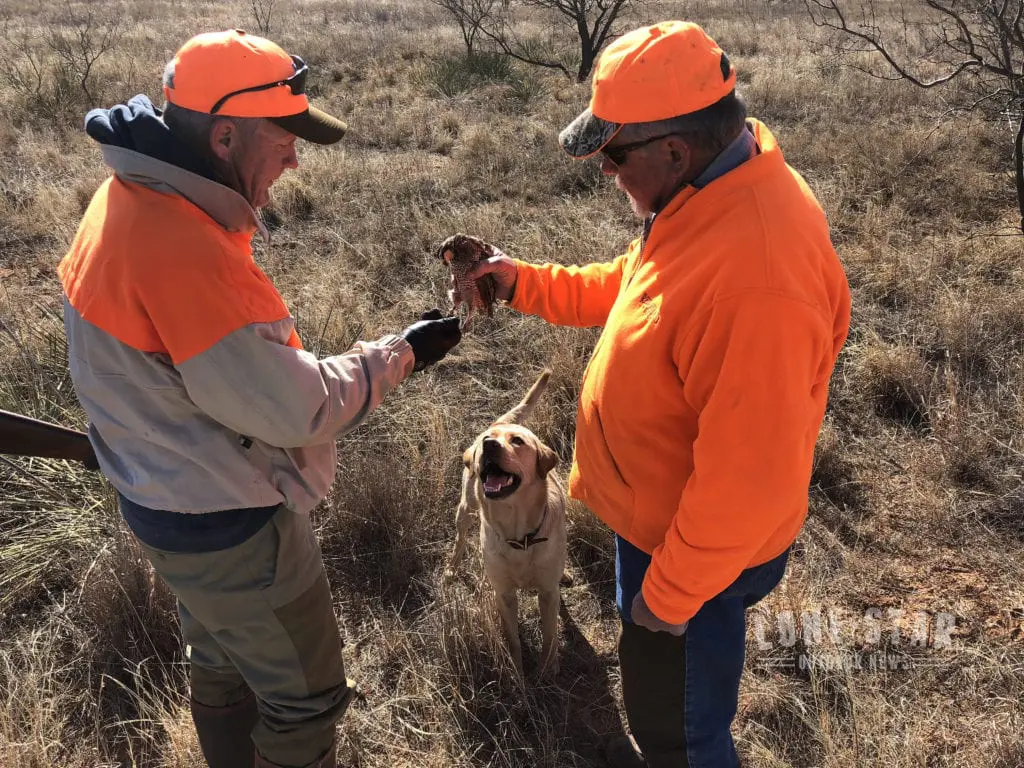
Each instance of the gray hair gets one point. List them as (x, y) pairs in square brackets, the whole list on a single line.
[(708, 131), (194, 127)]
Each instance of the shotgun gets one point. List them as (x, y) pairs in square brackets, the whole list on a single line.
[(24, 436)]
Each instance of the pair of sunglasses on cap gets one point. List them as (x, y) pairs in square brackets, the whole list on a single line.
[(296, 83)]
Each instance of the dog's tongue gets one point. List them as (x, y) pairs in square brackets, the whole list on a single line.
[(495, 482)]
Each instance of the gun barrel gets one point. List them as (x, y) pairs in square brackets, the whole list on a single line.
[(25, 436)]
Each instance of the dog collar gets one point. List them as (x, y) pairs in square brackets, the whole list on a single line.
[(531, 538)]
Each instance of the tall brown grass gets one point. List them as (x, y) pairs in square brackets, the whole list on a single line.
[(916, 501)]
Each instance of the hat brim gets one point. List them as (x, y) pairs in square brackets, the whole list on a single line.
[(587, 135), (312, 125)]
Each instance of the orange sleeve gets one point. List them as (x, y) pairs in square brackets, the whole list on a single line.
[(752, 374), (578, 296)]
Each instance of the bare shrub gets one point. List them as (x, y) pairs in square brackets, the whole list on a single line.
[(263, 14), (471, 16), (934, 42), (593, 21), (88, 38), (53, 71)]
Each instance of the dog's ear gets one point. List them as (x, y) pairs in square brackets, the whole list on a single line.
[(467, 457), (546, 460)]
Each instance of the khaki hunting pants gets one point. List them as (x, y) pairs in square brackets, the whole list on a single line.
[(259, 617)]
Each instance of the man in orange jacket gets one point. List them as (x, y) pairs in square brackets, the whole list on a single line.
[(702, 402), (208, 417)]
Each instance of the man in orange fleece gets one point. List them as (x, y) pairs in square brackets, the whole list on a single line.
[(702, 402)]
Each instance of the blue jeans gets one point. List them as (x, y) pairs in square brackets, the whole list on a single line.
[(680, 694)]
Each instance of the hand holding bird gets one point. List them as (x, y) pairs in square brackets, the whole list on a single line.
[(463, 255)]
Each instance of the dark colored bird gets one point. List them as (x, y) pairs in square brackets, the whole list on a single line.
[(461, 253)]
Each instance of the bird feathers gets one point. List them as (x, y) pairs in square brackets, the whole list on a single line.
[(460, 253)]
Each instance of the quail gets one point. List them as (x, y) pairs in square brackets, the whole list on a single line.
[(461, 253)]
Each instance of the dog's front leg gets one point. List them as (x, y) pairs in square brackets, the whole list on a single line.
[(548, 601), (463, 520), (508, 607)]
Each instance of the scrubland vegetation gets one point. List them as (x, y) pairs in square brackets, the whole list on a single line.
[(917, 504)]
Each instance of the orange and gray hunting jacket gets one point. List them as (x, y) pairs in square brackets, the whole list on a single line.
[(199, 394)]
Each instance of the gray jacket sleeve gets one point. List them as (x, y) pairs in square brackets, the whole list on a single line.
[(253, 383)]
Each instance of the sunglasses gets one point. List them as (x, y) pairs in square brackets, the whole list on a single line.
[(297, 84), (618, 155)]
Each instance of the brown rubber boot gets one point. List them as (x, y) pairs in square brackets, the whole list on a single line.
[(330, 760), (225, 733), (653, 667)]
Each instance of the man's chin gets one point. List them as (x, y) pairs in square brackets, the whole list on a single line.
[(638, 209)]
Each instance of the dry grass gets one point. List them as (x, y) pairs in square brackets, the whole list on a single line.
[(917, 502)]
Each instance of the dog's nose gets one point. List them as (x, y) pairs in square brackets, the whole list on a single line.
[(491, 445)]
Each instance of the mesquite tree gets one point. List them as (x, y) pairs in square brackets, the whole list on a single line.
[(592, 22), (471, 15), (936, 41)]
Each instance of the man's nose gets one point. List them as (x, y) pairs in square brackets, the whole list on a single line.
[(608, 168), (291, 160)]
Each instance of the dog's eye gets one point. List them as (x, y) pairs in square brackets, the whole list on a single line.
[(516, 440)]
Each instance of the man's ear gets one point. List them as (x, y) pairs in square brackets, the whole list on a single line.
[(680, 153), (546, 460), (223, 135)]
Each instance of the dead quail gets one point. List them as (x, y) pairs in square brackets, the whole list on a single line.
[(461, 253)]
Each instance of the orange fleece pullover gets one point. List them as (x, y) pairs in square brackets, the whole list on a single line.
[(703, 399)]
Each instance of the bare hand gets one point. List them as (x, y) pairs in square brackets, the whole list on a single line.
[(644, 617), (500, 267)]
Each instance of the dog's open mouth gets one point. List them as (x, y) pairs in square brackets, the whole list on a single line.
[(497, 482)]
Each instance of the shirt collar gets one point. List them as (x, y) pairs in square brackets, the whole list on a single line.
[(741, 149)]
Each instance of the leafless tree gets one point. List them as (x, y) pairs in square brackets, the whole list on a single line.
[(90, 36), (934, 42), (592, 20), (23, 66), (263, 13), (471, 15), (53, 68)]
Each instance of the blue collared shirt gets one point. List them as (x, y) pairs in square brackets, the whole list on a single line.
[(742, 148)]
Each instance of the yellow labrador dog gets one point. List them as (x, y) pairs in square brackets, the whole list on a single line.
[(508, 479)]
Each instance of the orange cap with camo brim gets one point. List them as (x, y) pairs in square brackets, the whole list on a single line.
[(653, 73), (235, 74)]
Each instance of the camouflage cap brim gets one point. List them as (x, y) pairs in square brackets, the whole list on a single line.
[(587, 135)]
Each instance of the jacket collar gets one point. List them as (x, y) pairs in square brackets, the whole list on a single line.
[(222, 204)]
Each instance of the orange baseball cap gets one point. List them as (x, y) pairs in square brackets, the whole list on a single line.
[(235, 74), (653, 73)]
